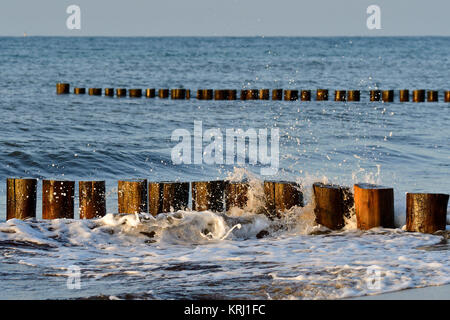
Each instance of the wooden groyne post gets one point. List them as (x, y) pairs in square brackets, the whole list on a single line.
[(322, 95), (353, 95), (205, 94), (95, 91), (418, 95), (109, 92), (62, 88), (432, 96), (388, 96), (374, 206), (180, 94), (163, 93), (121, 92), (404, 95), (333, 204), (340, 95), (290, 95), (305, 95), (21, 198), (58, 199), (236, 195), (167, 196), (150, 93), (264, 94), (92, 199), (426, 212), (249, 94), (135, 93), (281, 196), (375, 95), (79, 90), (208, 195), (277, 94), (447, 96), (132, 196)]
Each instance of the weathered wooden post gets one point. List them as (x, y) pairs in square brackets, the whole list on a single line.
[(305, 95), (79, 90), (62, 88), (281, 196), (163, 93), (375, 95), (179, 94), (58, 199), (208, 195), (404, 95), (205, 94), (353, 95), (332, 204), (418, 95), (264, 94), (167, 196), (277, 94), (95, 91), (374, 206), (20, 198), (109, 92), (121, 92), (220, 94), (322, 95), (447, 96), (250, 94), (231, 94), (432, 96), (340, 95), (388, 96), (132, 196), (135, 93), (290, 95), (150, 93), (92, 198), (426, 212), (236, 195)]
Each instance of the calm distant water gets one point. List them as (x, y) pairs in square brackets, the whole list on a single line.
[(42, 135)]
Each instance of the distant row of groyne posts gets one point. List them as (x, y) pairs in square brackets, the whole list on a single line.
[(420, 95), (372, 204)]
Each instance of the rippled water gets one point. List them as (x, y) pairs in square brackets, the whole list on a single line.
[(403, 145)]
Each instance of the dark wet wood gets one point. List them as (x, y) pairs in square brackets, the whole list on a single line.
[(404, 95), (322, 95), (388, 96), (432, 96), (250, 94), (167, 196), (62, 88), (79, 90), (132, 196), (208, 195), (290, 95), (374, 206), (375, 95), (418, 95), (109, 92), (332, 204), (277, 94), (236, 195), (58, 199), (135, 93), (150, 93), (121, 92), (20, 198), (340, 95), (264, 94), (205, 94), (426, 212), (281, 196), (354, 95), (95, 91), (179, 94), (447, 96), (305, 95), (92, 199), (163, 93)]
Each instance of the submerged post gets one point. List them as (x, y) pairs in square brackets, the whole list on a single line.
[(353, 95), (322, 95), (432, 96), (58, 199), (132, 196), (95, 91), (447, 96), (305, 95), (167, 196), (208, 195), (340, 95), (121, 92), (426, 212), (204, 94), (150, 93), (236, 195), (20, 198), (264, 94), (135, 93), (92, 199), (375, 95), (179, 94), (333, 204), (404, 95), (290, 95), (277, 94), (418, 96), (281, 196), (374, 206), (62, 88), (109, 92), (79, 90), (163, 93), (388, 96), (249, 94)]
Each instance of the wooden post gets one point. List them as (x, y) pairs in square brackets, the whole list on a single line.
[(374, 206), (167, 196), (231, 94), (426, 212), (375, 95), (92, 199), (418, 96), (305, 95), (281, 196), (332, 204), (62, 88), (250, 94), (277, 94), (340, 95), (135, 93), (290, 95), (208, 195), (388, 96), (132, 196), (79, 90), (20, 198), (178, 94), (163, 93), (109, 92), (236, 195), (447, 96), (150, 93), (404, 95), (205, 94), (322, 95), (121, 92), (95, 91), (432, 96), (58, 199), (264, 94), (354, 95)]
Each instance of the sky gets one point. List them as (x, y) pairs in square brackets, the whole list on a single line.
[(225, 17)]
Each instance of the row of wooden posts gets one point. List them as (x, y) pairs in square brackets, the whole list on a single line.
[(260, 94), (373, 204)]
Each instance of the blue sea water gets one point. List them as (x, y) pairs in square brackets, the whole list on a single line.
[(79, 137)]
